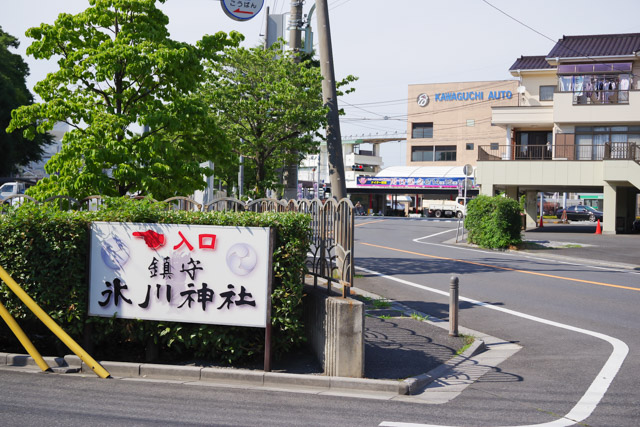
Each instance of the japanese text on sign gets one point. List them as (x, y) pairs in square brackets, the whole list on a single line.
[(241, 10), (183, 273)]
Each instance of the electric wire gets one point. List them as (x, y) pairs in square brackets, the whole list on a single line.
[(559, 41)]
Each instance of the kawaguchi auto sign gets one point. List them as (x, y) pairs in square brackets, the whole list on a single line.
[(411, 182), (181, 273)]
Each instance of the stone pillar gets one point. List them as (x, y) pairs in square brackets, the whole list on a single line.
[(531, 209), (344, 345), (610, 208)]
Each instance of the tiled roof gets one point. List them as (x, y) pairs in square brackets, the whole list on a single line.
[(596, 45), (530, 63)]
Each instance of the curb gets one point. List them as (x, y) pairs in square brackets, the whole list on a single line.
[(246, 377), (227, 376), (417, 383), (256, 378)]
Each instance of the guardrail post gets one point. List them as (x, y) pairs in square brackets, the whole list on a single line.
[(453, 307)]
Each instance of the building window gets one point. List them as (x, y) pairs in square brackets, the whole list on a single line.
[(494, 146), (422, 130), (591, 140), (422, 154), (446, 153), (471, 122), (469, 146), (546, 93), (533, 145)]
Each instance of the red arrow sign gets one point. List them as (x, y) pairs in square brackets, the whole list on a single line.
[(242, 11)]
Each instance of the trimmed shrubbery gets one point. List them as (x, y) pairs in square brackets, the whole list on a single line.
[(493, 222), (45, 250)]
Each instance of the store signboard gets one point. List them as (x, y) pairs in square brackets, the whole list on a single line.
[(493, 95), (181, 273), (413, 182)]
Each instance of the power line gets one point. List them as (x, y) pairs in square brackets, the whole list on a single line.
[(560, 41), (333, 6), (362, 109), (519, 22)]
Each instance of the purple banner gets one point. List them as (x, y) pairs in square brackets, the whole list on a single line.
[(380, 182)]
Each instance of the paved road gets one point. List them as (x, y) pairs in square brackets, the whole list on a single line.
[(575, 318), (592, 306)]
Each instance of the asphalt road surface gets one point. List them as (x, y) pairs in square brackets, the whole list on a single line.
[(574, 321), (578, 326)]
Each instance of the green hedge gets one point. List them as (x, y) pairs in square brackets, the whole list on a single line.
[(493, 222), (45, 250)]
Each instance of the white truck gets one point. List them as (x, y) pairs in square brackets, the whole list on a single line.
[(9, 189), (439, 208)]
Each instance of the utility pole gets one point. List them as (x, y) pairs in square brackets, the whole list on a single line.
[(295, 27), (290, 176), (334, 140)]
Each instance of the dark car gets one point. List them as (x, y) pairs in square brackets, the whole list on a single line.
[(581, 213)]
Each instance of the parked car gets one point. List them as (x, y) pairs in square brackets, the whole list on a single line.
[(581, 213)]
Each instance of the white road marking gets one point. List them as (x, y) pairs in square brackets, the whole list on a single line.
[(594, 394), (523, 255)]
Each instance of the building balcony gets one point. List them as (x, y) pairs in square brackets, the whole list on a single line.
[(362, 159), (607, 107), (521, 116), (581, 152)]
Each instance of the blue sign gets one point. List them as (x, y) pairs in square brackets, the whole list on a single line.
[(473, 96), (241, 10)]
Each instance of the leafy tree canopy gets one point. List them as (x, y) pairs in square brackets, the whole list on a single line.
[(15, 148), (270, 108), (119, 71)]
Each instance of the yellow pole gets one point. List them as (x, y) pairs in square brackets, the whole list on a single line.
[(53, 326), (22, 337)]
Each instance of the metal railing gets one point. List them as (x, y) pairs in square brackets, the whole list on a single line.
[(330, 256), (607, 151), (599, 97)]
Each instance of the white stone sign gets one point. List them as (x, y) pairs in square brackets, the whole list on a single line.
[(182, 273)]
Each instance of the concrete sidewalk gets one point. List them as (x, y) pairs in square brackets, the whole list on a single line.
[(409, 356)]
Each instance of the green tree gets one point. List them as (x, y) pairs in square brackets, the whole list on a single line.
[(270, 108), (118, 72), (15, 148)]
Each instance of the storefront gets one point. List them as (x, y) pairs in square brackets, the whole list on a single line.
[(400, 190)]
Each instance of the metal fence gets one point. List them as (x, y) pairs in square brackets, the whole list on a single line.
[(606, 151), (330, 255)]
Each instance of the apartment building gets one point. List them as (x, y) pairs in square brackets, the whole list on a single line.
[(574, 128)]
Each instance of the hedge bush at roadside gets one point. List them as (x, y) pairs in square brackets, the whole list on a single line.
[(45, 250), (493, 222)]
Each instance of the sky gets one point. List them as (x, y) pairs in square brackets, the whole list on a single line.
[(387, 44)]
